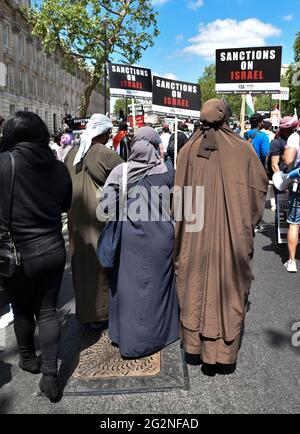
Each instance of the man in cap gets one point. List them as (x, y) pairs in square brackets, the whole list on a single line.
[(261, 144), (258, 138), (89, 165)]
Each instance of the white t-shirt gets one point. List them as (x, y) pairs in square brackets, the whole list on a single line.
[(270, 135), (165, 137), (294, 142)]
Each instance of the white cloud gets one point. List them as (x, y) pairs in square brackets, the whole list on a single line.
[(159, 2), (230, 33), (169, 75), (288, 17), (195, 4)]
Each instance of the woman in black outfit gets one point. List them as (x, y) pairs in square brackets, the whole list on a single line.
[(42, 192)]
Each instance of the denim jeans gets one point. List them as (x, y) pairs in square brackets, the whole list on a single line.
[(33, 293)]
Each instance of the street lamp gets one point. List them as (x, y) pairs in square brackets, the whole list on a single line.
[(105, 68), (66, 106)]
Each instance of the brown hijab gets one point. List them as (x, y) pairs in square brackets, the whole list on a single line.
[(214, 117)]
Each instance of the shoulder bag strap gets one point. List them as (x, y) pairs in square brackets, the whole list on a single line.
[(124, 178), (11, 190)]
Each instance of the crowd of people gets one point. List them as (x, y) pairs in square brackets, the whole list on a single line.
[(165, 277)]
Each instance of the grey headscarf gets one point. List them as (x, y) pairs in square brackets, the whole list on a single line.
[(144, 159)]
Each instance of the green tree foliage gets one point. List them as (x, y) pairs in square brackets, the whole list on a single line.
[(120, 104), (293, 80), (208, 83), (89, 31)]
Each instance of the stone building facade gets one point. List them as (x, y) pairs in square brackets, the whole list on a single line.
[(32, 80)]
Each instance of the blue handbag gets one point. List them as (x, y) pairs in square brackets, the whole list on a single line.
[(109, 240)]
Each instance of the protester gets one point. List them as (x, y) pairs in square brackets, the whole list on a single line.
[(261, 144), (182, 140), (292, 158), (259, 139), (267, 129), (286, 129), (42, 191), (165, 137), (143, 309), (89, 166), (55, 143), (213, 263), (122, 142), (236, 128), (197, 125), (6, 313), (66, 144), (275, 161)]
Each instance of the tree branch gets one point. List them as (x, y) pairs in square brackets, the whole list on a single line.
[(109, 10)]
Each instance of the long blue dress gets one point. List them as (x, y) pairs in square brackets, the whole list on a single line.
[(143, 308)]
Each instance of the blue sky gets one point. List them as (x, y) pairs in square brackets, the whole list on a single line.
[(192, 29)]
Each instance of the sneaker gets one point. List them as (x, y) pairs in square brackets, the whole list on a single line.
[(260, 229), (291, 266)]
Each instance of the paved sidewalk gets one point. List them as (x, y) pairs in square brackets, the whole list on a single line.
[(266, 381)]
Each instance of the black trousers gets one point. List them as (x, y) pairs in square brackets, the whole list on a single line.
[(33, 294)]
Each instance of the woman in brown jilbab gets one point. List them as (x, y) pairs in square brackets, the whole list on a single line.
[(213, 265)]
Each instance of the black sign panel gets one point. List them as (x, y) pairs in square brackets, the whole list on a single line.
[(138, 109), (78, 124), (244, 70), (176, 97), (131, 81)]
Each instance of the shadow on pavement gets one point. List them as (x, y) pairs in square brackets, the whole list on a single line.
[(280, 250), (279, 340), (5, 373), (71, 333)]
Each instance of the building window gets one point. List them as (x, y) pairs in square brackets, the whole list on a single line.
[(54, 123), (33, 53), (22, 82), (8, 75), (43, 89), (12, 109), (21, 45), (34, 88), (6, 35), (25, 109)]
